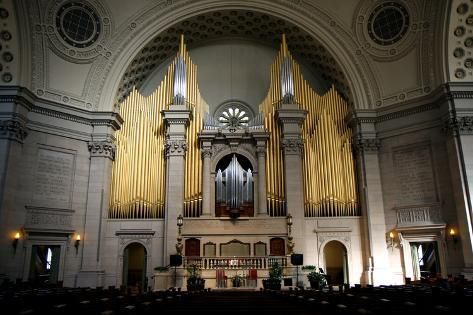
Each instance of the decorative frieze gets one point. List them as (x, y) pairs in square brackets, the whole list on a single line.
[(13, 130), (102, 149), (418, 216), (47, 219), (176, 147), (292, 146)]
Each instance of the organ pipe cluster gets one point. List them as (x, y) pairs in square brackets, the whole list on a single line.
[(139, 171), (330, 187), (234, 185), (193, 161)]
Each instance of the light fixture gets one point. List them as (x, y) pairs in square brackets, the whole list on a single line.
[(453, 235), (179, 245), (77, 242), (290, 239), (390, 240), (289, 219), (16, 239), (180, 220)]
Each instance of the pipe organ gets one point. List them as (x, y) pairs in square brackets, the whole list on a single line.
[(328, 163), (234, 185)]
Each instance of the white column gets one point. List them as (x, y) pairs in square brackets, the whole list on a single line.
[(291, 118), (376, 261), (102, 154), (459, 124), (177, 119), (262, 206), (206, 196)]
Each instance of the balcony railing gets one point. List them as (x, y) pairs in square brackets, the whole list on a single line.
[(208, 263)]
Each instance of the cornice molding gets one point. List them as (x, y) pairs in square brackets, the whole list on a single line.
[(25, 98)]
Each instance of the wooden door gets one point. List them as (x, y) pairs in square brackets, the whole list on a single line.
[(192, 247), (277, 247)]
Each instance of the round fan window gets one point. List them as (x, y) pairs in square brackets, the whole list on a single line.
[(234, 117)]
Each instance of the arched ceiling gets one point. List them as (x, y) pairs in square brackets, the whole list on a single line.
[(226, 24)]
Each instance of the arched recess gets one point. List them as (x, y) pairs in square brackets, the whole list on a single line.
[(336, 263), (220, 153), (135, 264), (343, 242), (234, 186), (124, 243), (337, 40)]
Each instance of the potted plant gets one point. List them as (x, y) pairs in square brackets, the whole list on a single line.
[(275, 277), (317, 279), (194, 281)]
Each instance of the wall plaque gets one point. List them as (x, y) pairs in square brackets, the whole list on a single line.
[(53, 178), (415, 177)]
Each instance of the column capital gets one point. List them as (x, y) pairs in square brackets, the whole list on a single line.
[(459, 125), (206, 152), (292, 146), (175, 147), (104, 149), (13, 130), (368, 145)]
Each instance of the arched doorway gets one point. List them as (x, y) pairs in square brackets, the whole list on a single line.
[(234, 186), (134, 266), (336, 263)]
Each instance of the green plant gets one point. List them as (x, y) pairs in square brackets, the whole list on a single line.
[(194, 280), (275, 277), (317, 279), (161, 268), (275, 272)]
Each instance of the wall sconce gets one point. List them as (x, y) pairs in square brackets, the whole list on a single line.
[(453, 235), (290, 242), (77, 242), (16, 239), (390, 241), (179, 245)]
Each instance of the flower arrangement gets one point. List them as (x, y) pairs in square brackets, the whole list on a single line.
[(275, 277)]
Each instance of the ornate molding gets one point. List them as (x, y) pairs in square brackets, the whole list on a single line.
[(175, 147), (421, 215), (102, 149), (342, 237), (369, 145), (13, 130), (292, 146)]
